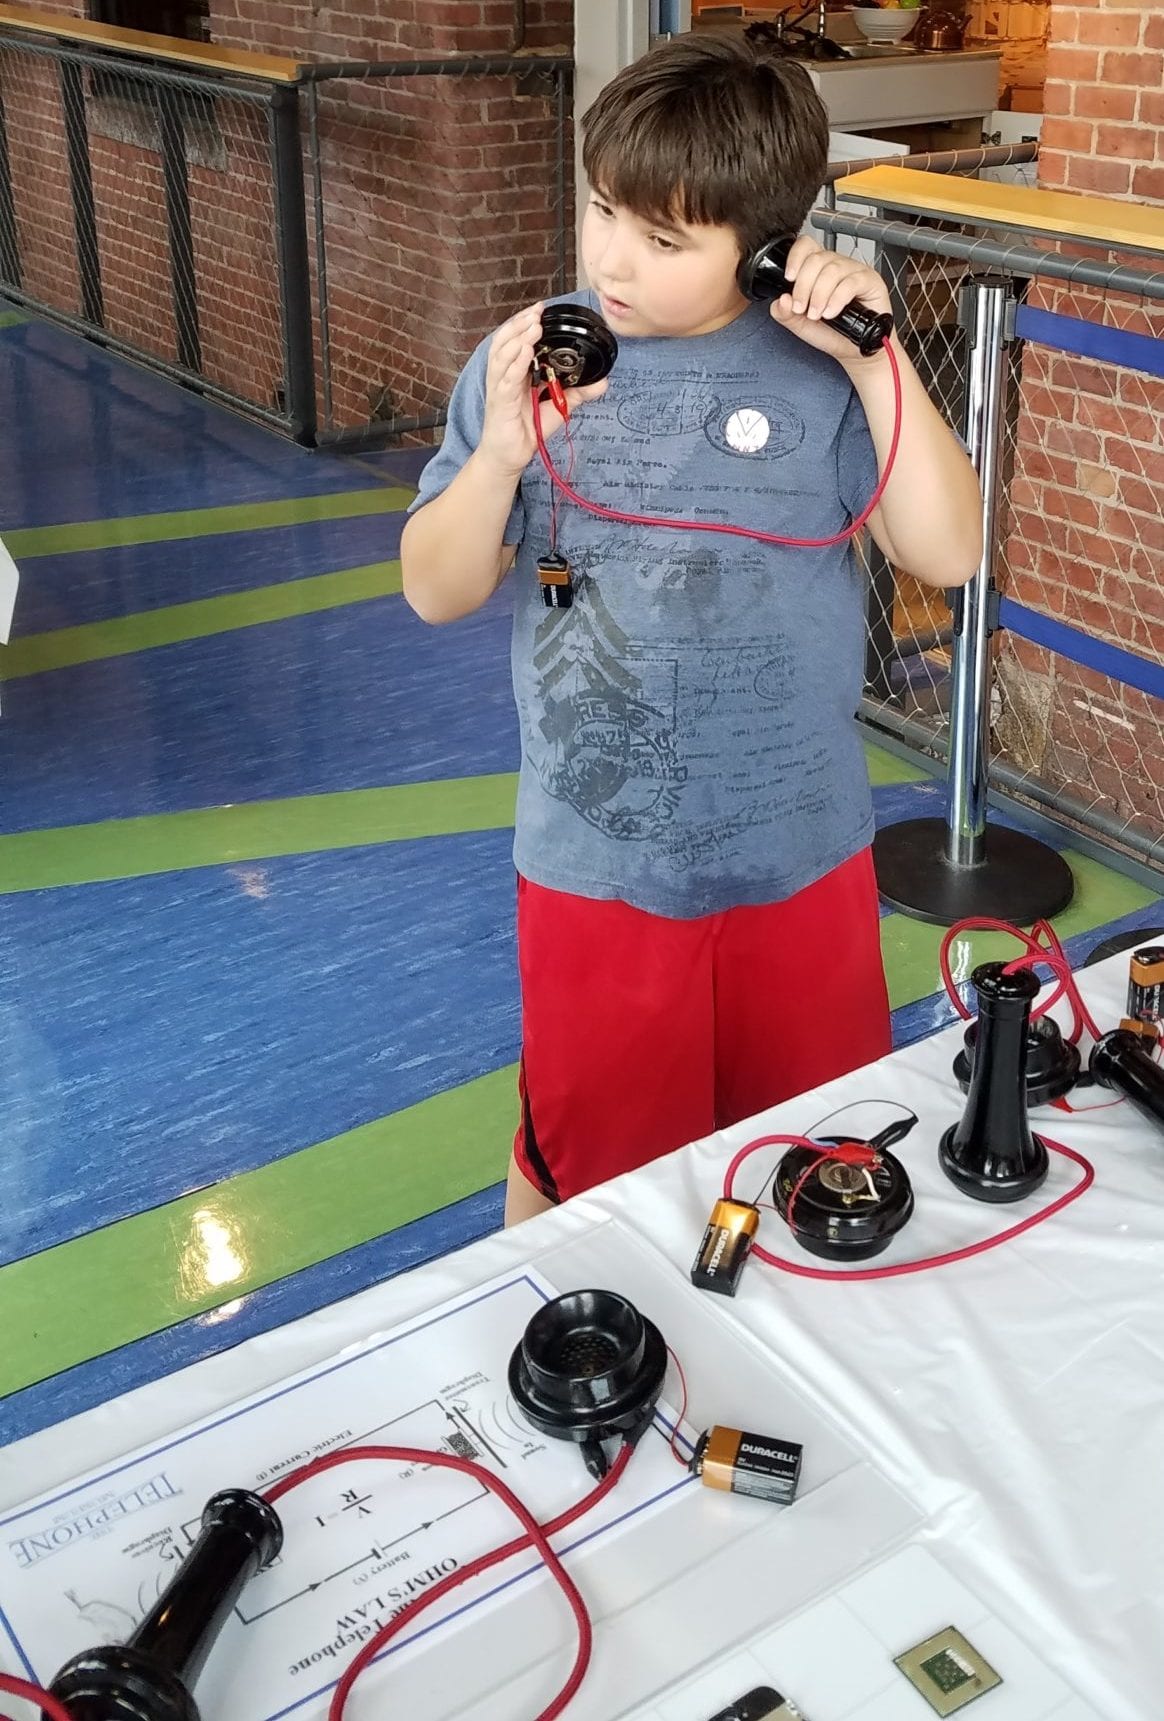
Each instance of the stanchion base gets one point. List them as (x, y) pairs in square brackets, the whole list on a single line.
[(1020, 879)]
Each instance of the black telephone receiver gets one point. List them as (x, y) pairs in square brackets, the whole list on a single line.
[(761, 276)]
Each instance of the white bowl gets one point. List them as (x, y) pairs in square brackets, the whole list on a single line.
[(884, 23)]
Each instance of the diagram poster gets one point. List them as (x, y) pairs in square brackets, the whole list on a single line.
[(84, 1565)]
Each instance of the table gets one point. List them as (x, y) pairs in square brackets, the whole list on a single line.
[(1008, 1412)]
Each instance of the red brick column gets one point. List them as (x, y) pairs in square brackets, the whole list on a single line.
[(439, 193), (1086, 539)]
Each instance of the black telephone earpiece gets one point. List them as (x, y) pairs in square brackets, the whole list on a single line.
[(761, 276)]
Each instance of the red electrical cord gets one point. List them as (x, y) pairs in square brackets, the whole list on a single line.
[(563, 484), (927, 1261), (1042, 944), (1050, 952), (536, 1536), (51, 1706)]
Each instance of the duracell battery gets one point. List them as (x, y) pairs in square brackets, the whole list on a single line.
[(1146, 993), (741, 1463), (725, 1246), (556, 581)]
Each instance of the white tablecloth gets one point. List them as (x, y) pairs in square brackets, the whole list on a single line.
[(1009, 1409)]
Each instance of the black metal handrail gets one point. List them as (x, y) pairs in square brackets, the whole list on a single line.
[(284, 91)]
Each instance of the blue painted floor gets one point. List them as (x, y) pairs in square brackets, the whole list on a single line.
[(356, 697)]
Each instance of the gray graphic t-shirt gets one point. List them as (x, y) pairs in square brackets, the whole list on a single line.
[(688, 727)]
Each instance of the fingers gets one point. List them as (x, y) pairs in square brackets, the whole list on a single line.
[(816, 283), (511, 351), (823, 283), (592, 391), (552, 420)]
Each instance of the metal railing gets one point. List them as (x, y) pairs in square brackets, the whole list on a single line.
[(134, 199), (1052, 678), (290, 246)]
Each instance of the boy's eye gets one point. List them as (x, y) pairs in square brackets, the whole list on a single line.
[(662, 243), (602, 208)]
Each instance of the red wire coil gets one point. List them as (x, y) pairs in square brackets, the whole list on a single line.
[(536, 1535), (566, 488), (904, 1267)]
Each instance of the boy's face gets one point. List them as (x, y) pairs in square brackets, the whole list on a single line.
[(656, 278)]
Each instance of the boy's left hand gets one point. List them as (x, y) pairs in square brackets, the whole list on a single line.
[(823, 283)]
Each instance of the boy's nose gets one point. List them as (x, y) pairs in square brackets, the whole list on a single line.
[(616, 268), (615, 260)]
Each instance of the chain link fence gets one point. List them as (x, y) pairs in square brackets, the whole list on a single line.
[(138, 203), (1077, 697), (909, 630)]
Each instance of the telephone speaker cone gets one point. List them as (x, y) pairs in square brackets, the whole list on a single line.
[(589, 1368)]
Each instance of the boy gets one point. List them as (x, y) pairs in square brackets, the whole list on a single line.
[(697, 911)]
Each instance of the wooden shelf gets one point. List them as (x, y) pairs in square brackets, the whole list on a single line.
[(986, 203), (172, 50)]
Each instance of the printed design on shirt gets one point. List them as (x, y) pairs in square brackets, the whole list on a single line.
[(771, 683), (653, 559), (585, 635), (698, 567), (747, 425), (668, 411), (751, 428), (775, 774), (609, 746)]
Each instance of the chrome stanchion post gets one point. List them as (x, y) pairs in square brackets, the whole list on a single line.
[(944, 870)]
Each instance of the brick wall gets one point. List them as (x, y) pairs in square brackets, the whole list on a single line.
[(439, 198), (439, 193), (1086, 539), (31, 90)]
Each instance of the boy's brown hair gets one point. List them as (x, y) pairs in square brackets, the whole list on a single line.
[(710, 128)]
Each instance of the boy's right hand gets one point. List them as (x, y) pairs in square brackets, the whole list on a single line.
[(507, 436)]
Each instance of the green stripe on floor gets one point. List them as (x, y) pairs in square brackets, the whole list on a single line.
[(141, 1275), (260, 830), (12, 319), (32, 541), (66, 647), (911, 947), (885, 768), (255, 830)]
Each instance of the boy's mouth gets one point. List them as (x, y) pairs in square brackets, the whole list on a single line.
[(614, 307)]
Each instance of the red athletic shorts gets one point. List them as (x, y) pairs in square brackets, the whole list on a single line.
[(640, 1033)]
